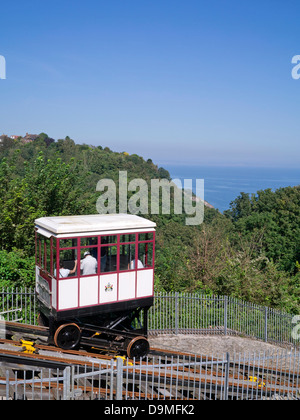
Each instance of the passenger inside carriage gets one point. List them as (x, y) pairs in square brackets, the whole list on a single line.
[(97, 255), (88, 265), (65, 272), (135, 264)]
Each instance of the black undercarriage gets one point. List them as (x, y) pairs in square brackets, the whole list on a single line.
[(124, 330)]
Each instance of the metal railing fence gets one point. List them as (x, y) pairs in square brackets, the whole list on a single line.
[(257, 376), (72, 383), (186, 313), (19, 304), (238, 377), (182, 313)]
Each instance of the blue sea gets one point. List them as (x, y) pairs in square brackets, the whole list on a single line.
[(223, 184)]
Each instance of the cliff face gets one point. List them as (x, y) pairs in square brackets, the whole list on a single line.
[(210, 206), (206, 203)]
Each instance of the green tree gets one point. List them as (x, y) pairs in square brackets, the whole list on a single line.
[(49, 187), (16, 269), (276, 215)]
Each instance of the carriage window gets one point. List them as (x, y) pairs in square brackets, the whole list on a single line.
[(53, 269), (108, 259), (68, 243), (148, 236), (145, 254), (92, 251), (88, 261), (37, 250), (40, 251), (67, 263), (92, 240), (43, 249), (127, 257), (112, 239), (48, 255), (127, 238)]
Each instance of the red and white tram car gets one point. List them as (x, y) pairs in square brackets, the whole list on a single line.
[(95, 279)]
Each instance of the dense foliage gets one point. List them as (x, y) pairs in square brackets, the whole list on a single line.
[(251, 252)]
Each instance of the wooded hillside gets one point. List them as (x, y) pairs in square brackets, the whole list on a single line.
[(251, 252)]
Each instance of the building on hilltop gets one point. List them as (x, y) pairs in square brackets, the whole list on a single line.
[(3, 137), (29, 138)]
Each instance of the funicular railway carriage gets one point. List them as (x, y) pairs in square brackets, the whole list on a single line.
[(94, 280)]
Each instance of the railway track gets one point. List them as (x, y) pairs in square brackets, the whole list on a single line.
[(162, 375)]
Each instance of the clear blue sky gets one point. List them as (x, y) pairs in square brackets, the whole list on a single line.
[(191, 81)]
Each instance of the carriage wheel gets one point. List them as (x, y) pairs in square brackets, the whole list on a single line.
[(67, 336), (138, 347)]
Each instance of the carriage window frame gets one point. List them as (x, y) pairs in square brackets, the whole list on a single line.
[(106, 247), (101, 243), (149, 239), (40, 251), (129, 239), (68, 239), (37, 250), (89, 245), (137, 242), (82, 248), (152, 242), (44, 253), (115, 240), (129, 246), (49, 255), (148, 252), (58, 251)]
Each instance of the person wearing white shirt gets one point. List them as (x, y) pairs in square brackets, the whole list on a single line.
[(133, 264), (64, 272), (88, 264)]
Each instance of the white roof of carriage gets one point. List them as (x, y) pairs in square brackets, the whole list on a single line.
[(94, 223)]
